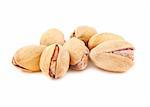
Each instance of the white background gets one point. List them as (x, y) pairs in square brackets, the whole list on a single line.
[(23, 21)]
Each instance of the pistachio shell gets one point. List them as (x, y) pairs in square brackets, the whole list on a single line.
[(84, 33), (28, 57), (78, 53), (54, 61), (52, 36), (99, 38), (113, 55)]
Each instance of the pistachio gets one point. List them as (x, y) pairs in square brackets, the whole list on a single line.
[(54, 61), (84, 33), (99, 38), (78, 53), (52, 36), (113, 55), (28, 57)]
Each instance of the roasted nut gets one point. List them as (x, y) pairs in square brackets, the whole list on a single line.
[(52, 36), (84, 33), (113, 55), (78, 53), (54, 61), (28, 57), (99, 38)]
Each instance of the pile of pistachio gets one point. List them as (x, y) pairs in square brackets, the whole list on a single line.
[(54, 56)]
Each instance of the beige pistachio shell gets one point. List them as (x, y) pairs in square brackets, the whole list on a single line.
[(52, 36), (113, 55), (84, 33), (54, 61), (78, 53), (99, 38), (28, 57)]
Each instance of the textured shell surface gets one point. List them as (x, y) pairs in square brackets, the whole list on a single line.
[(27, 58), (99, 38), (52, 36), (84, 33), (106, 55), (77, 50), (54, 61)]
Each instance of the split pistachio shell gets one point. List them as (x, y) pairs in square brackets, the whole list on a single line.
[(52, 36), (84, 33), (78, 53), (28, 57), (54, 61), (99, 38), (113, 55)]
